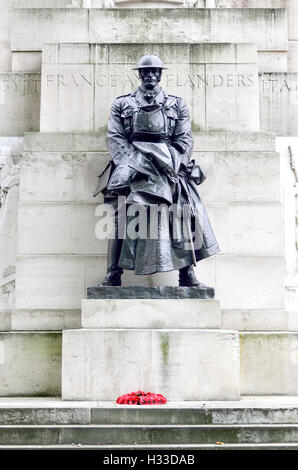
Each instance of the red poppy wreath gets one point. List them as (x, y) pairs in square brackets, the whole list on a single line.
[(141, 398)]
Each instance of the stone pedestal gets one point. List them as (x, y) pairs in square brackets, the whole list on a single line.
[(168, 346)]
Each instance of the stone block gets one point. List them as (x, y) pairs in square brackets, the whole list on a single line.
[(150, 313), (46, 320), (8, 228), (248, 228), (276, 61), (34, 27), (292, 19), (40, 3), (5, 57), (61, 90), (20, 103), (250, 320), (293, 57), (58, 228), (250, 282), (88, 77), (233, 90), (15, 145), (256, 174), (101, 364), (66, 228), (61, 176), (30, 364), (38, 25), (26, 62), (269, 363), (50, 282), (96, 141), (246, 3), (279, 103)]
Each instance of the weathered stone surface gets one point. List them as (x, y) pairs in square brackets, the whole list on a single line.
[(247, 227), (254, 320), (34, 27), (50, 282), (20, 103), (59, 228), (26, 62), (61, 176), (30, 364), (250, 282), (279, 103), (46, 320), (247, 410), (96, 141), (293, 57), (88, 77), (269, 362), (180, 364), (72, 176), (156, 292), (151, 312)]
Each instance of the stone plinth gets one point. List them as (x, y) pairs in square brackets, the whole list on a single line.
[(150, 313), (154, 292), (153, 346)]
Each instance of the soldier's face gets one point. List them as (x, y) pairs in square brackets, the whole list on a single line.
[(150, 77)]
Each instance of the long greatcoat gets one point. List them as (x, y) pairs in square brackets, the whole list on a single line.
[(157, 171)]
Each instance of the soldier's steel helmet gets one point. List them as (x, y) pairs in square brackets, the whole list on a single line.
[(149, 61)]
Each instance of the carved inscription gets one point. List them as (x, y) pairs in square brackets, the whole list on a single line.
[(169, 80), (278, 83), (22, 84)]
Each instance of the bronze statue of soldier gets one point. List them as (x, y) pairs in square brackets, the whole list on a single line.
[(150, 143)]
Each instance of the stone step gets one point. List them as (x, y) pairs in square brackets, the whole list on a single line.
[(170, 414), (224, 446), (150, 434)]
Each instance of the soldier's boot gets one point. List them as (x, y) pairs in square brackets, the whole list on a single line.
[(114, 272), (187, 277)]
